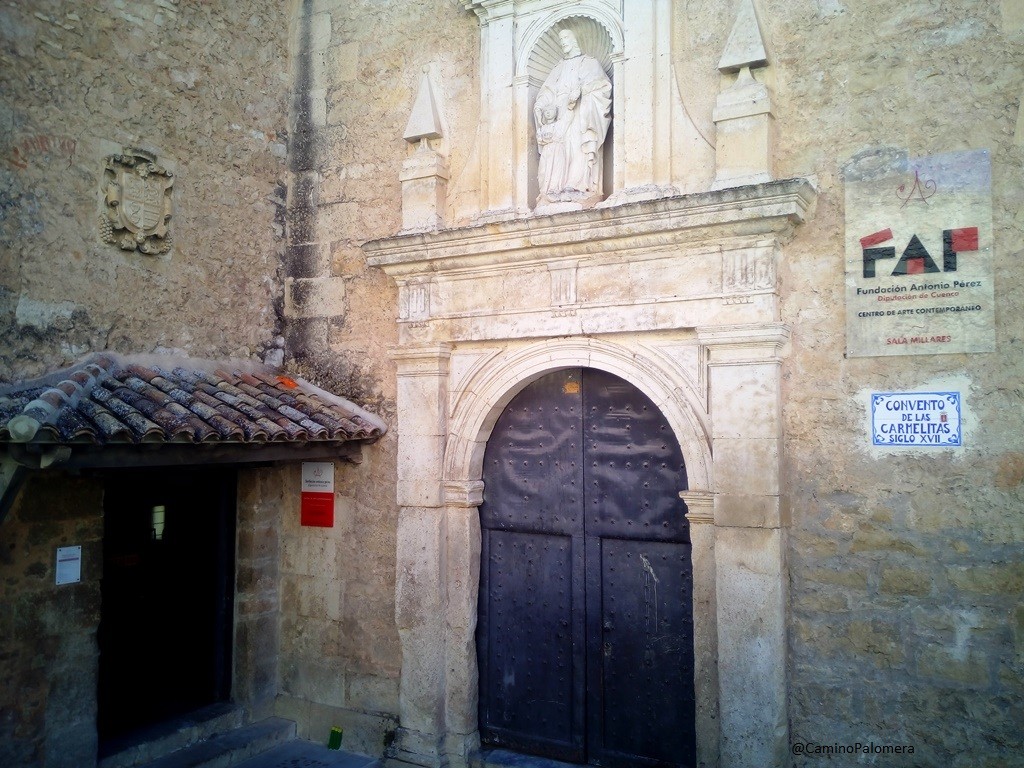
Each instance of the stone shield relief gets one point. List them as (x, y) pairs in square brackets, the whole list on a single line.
[(137, 203)]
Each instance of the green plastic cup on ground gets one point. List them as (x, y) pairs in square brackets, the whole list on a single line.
[(334, 740)]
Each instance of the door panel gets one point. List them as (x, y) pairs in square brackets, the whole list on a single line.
[(642, 653), (531, 670), (534, 459), (585, 640), (634, 467), (533, 700)]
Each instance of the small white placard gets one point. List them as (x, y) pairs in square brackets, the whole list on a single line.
[(69, 565), (318, 477), (916, 419)]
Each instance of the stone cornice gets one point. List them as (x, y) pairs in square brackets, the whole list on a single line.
[(422, 360), (463, 493), (773, 208), (744, 344), (701, 506), (488, 10)]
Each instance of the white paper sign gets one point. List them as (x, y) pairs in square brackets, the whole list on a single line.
[(69, 565), (916, 419)]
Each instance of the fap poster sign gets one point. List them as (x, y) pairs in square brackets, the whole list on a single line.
[(919, 278), (916, 419), (317, 494)]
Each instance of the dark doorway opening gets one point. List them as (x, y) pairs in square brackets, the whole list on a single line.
[(585, 634), (167, 590)]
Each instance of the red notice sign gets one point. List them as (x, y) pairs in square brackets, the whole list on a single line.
[(318, 493)]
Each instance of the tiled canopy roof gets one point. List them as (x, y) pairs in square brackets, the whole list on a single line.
[(112, 400)]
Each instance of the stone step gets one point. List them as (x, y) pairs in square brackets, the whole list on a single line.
[(503, 758), (232, 747), (310, 755), (148, 744)]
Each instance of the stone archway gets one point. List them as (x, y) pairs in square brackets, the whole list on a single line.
[(680, 298), (479, 397), (477, 401)]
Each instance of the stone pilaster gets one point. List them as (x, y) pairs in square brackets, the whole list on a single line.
[(745, 383), (421, 568), (422, 412), (701, 515), (462, 500), (744, 133), (424, 180)]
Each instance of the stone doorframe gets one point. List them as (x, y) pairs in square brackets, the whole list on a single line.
[(485, 311)]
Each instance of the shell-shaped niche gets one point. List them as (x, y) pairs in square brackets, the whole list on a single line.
[(593, 38)]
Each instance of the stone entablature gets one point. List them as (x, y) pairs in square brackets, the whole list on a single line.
[(678, 262), (680, 297)]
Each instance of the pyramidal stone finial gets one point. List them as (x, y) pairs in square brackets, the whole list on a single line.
[(745, 47), (424, 122)]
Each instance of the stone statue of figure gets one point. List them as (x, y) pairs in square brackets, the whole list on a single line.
[(572, 114)]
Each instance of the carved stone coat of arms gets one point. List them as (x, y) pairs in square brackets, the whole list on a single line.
[(137, 197)]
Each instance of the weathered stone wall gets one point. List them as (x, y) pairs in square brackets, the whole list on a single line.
[(339, 659), (905, 575), (203, 85), (261, 506), (357, 68), (49, 657), (906, 572)]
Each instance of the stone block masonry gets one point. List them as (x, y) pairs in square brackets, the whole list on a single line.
[(81, 83), (895, 625), (338, 662), (49, 657)]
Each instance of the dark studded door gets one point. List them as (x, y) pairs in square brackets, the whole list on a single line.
[(585, 638)]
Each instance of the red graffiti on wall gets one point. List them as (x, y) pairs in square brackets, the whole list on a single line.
[(21, 154)]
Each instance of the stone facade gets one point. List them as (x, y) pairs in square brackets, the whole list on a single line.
[(80, 85), (885, 617), (204, 90), (845, 593), (49, 651)]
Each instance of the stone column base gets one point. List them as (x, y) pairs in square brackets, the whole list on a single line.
[(415, 748)]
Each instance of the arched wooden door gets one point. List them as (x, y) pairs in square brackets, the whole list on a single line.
[(585, 637)]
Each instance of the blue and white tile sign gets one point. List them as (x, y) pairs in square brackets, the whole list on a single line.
[(915, 419)]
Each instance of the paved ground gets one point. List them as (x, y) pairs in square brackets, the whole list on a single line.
[(307, 754), (502, 758)]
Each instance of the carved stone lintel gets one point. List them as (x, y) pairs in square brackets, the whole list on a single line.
[(137, 203), (749, 270)]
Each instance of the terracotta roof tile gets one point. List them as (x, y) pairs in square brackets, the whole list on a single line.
[(112, 399)]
